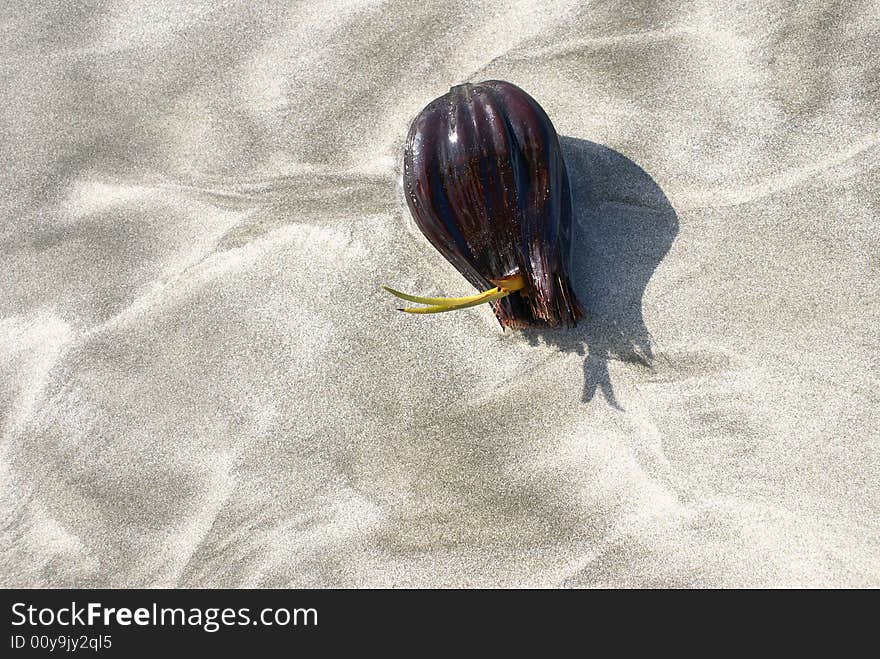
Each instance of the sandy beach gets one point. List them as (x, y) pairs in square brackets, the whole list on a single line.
[(203, 385)]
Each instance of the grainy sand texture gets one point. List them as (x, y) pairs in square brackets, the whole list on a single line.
[(201, 383)]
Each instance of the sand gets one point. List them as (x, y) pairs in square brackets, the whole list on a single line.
[(202, 385)]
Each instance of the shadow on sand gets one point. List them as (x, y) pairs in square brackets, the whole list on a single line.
[(623, 226)]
